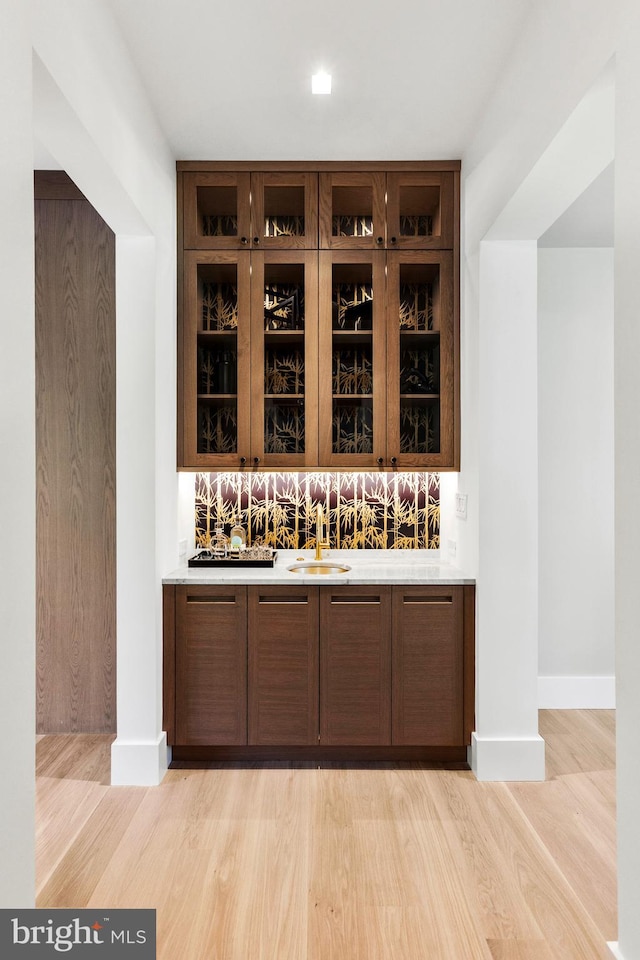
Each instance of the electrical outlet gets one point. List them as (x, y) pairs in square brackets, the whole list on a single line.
[(461, 506), (182, 548), (452, 547)]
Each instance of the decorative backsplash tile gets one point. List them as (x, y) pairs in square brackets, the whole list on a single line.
[(365, 510)]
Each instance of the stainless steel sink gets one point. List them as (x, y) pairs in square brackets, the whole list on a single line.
[(318, 567)]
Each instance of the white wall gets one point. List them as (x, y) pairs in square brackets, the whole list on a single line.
[(627, 478), (532, 154), (573, 43), (506, 745), (17, 463), (575, 474), (92, 115)]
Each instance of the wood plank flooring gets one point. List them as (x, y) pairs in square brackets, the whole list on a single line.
[(297, 862)]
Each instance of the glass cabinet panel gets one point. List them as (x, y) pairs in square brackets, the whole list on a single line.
[(352, 210), (215, 347), (284, 210), (420, 376), (352, 358), (419, 210), (216, 210), (218, 360), (284, 349)]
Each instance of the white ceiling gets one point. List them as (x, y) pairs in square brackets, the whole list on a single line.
[(231, 79)]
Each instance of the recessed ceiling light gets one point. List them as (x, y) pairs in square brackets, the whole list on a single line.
[(321, 82)]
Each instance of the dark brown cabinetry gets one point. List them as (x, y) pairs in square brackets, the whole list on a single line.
[(210, 665), (421, 345), (228, 209), (428, 665), (216, 369), (318, 316), (283, 665), (355, 666), (284, 359), (412, 209), (296, 671), (352, 373)]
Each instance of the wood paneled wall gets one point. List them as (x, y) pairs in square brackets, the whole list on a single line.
[(75, 456)]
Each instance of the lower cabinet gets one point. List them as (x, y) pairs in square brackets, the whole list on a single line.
[(355, 666), (283, 665), (427, 691), (302, 669), (211, 665)]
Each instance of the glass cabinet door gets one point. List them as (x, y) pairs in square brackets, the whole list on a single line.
[(352, 213), (216, 360), (352, 377), (216, 211), (284, 210), (420, 210), (420, 351), (284, 358)]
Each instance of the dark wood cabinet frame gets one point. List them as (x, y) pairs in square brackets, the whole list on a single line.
[(347, 692), (386, 181)]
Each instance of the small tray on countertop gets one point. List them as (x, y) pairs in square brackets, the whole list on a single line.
[(205, 558)]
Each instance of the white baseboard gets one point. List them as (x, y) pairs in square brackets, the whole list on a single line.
[(507, 758), (139, 763), (615, 949), (576, 693)]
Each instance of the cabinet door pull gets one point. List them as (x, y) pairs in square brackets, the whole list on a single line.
[(191, 599), (434, 599), (244, 240), (355, 600), (282, 599)]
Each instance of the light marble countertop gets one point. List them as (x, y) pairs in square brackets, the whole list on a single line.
[(367, 566)]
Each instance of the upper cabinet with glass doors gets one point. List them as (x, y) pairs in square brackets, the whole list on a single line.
[(263, 210), (409, 209), (318, 315)]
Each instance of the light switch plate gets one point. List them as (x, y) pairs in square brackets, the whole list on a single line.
[(461, 506)]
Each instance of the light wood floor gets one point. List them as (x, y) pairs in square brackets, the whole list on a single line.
[(335, 863)]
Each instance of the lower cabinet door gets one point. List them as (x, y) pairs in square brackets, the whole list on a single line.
[(428, 660), (283, 665), (211, 665), (355, 665)]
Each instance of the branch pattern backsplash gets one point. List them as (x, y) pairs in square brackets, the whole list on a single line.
[(365, 510)]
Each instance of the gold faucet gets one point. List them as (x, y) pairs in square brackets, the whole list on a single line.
[(320, 541)]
